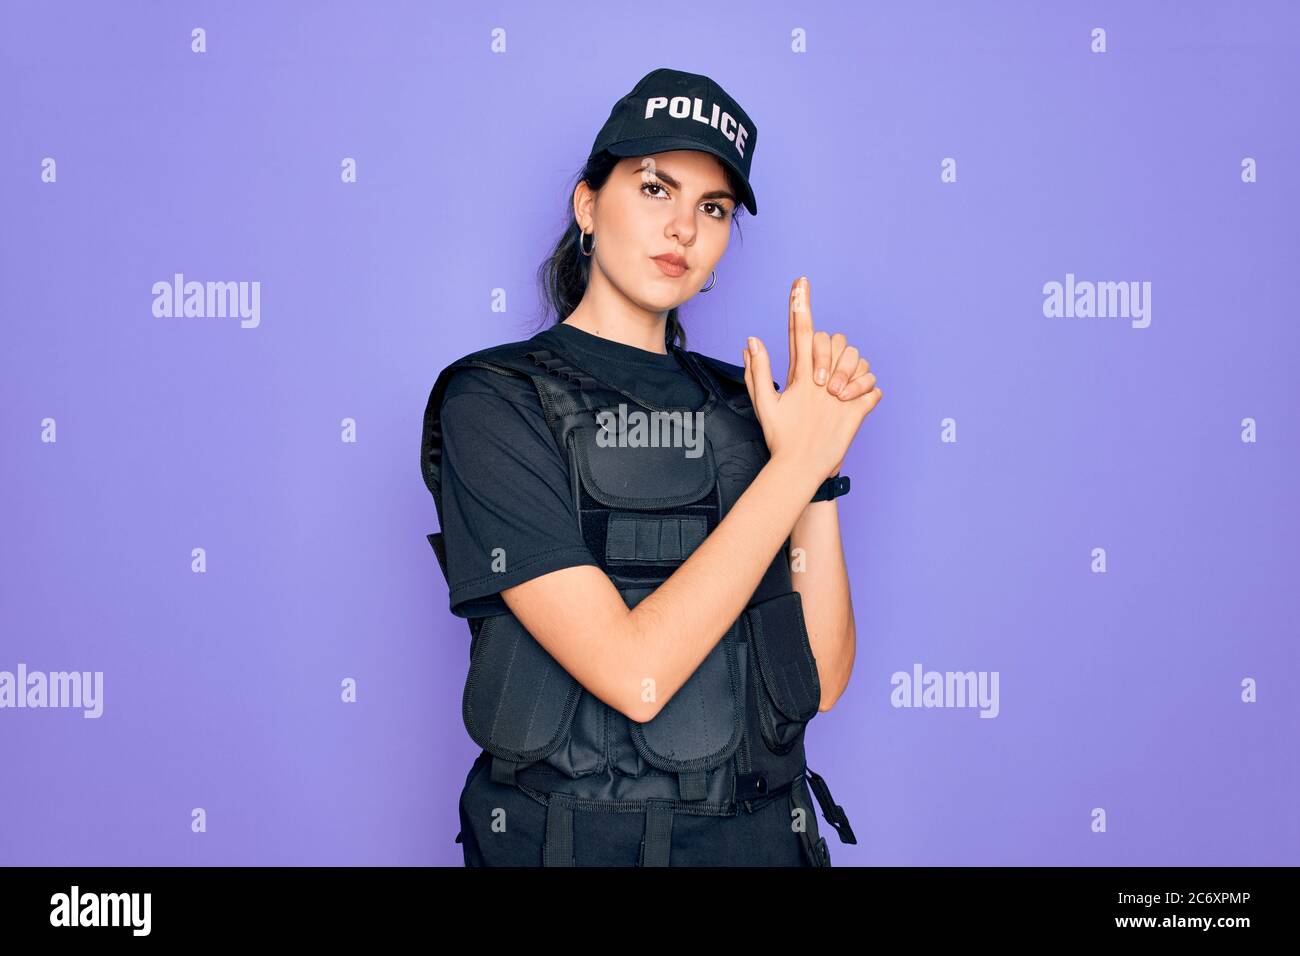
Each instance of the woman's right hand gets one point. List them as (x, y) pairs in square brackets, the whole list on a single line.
[(803, 422)]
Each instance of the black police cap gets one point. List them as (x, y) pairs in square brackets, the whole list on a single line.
[(669, 109)]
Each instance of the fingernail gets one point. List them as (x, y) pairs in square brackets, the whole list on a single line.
[(834, 387), (753, 345), (821, 376)]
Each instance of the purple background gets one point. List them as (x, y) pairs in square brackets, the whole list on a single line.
[(1118, 690)]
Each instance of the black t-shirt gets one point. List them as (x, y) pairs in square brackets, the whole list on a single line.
[(505, 483)]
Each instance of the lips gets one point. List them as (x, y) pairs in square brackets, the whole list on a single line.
[(671, 265)]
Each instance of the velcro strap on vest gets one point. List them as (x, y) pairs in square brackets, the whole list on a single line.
[(693, 784), (439, 550), (503, 771), (656, 848), (558, 850), (645, 538)]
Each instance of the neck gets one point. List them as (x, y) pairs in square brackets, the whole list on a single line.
[(607, 312)]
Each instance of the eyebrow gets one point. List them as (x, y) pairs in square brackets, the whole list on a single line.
[(714, 194)]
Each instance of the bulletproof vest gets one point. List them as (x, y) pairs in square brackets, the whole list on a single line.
[(734, 732)]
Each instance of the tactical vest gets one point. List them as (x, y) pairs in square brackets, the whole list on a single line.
[(734, 732)]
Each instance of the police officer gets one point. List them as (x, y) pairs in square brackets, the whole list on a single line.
[(673, 734)]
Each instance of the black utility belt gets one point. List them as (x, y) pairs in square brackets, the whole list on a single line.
[(659, 788)]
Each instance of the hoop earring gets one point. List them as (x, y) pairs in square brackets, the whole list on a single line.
[(581, 248), (712, 281)]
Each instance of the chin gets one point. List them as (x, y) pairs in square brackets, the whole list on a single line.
[(652, 296), (660, 302)]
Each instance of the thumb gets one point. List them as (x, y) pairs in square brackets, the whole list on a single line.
[(758, 378)]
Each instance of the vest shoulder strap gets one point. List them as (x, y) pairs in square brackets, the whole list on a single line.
[(508, 359), (512, 358), (729, 379)]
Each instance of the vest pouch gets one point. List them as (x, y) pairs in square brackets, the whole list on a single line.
[(519, 703), (642, 509), (678, 470), (789, 689), (701, 725)]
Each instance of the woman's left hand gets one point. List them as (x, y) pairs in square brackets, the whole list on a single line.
[(837, 365)]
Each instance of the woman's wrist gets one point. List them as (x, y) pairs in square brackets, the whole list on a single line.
[(796, 474)]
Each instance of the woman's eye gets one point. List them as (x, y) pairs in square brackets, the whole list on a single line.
[(719, 211)]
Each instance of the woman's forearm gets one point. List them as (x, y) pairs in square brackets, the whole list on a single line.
[(673, 629), (819, 575)]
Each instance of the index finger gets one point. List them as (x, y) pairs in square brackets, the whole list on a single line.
[(801, 328)]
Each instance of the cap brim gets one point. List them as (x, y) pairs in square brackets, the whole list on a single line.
[(663, 144)]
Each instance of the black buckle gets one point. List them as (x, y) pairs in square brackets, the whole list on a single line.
[(821, 852), (831, 810), (750, 786)]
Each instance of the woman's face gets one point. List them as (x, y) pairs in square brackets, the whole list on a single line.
[(665, 204)]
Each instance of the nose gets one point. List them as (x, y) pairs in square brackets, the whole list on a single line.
[(682, 226)]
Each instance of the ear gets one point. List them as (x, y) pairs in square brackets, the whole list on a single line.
[(584, 201)]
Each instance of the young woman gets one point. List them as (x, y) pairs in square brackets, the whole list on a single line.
[(656, 611)]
